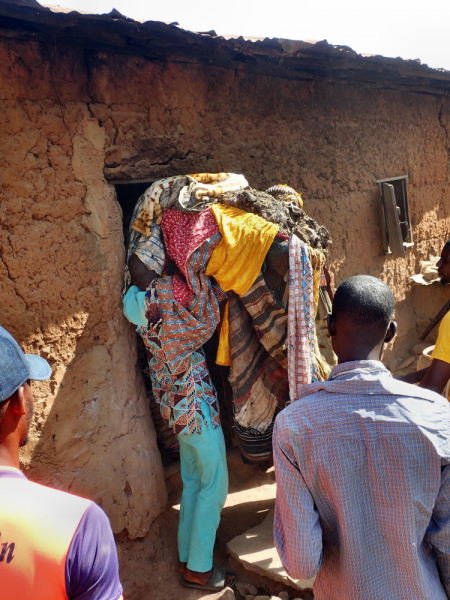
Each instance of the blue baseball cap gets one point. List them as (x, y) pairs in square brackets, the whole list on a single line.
[(16, 366)]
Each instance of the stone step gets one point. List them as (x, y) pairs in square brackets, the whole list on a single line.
[(255, 550)]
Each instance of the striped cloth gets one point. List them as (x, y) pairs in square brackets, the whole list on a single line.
[(150, 251), (149, 246), (301, 328), (253, 445), (362, 463), (258, 377)]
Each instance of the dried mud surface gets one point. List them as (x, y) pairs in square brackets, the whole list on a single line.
[(61, 265), (72, 122)]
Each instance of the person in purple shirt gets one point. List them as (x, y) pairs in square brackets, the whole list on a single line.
[(362, 464), (54, 545)]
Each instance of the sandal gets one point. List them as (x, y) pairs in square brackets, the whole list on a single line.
[(216, 582)]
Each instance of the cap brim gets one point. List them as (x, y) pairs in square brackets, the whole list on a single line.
[(39, 367)]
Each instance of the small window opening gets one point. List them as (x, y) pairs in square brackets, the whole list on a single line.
[(396, 229)]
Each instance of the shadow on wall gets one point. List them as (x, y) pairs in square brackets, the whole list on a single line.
[(93, 433), (93, 445)]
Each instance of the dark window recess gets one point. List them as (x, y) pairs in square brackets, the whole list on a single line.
[(396, 230)]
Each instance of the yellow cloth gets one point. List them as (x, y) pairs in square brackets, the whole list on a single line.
[(246, 238), (442, 349), (237, 260), (223, 351)]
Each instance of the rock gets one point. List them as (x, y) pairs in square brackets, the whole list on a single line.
[(225, 594), (255, 550), (249, 597), (417, 349), (283, 595), (262, 598), (407, 363), (246, 589), (241, 588)]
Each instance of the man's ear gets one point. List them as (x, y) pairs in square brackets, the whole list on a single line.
[(390, 334), (331, 324), (18, 402)]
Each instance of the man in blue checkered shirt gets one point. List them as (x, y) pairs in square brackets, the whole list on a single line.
[(362, 464)]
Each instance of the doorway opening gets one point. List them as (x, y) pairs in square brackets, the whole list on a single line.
[(127, 195)]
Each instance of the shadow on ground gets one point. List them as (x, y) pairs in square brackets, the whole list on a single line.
[(151, 562)]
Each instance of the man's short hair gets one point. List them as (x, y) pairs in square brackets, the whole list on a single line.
[(365, 300)]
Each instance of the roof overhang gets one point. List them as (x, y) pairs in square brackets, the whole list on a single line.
[(27, 20)]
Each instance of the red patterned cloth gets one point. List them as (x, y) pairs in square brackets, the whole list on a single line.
[(181, 291), (185, 330), (185, 233)]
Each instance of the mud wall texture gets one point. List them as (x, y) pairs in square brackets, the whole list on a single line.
[(72, 122), (61, 265), (329, 141)]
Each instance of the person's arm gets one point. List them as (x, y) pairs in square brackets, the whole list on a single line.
[(438, 532), (414, 377), (297, 531), (436, 376), (439, 372), (92, 567)]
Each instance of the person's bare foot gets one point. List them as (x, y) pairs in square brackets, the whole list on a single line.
[(203, 578), (182, 568)]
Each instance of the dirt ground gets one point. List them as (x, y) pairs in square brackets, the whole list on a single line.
[(154, 558)]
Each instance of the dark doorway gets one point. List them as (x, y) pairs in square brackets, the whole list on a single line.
[(127, 195)]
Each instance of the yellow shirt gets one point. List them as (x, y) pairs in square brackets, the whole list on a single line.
[(442, 348)]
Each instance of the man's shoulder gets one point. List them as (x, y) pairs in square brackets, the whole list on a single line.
[(382, 384), (42, 499), (318, 402), (396, 387), (307, 403)]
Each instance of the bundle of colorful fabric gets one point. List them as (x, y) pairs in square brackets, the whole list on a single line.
[(211, 238)]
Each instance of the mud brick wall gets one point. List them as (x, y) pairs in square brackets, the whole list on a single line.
[(329, 141), (73, 121), (61, 274)]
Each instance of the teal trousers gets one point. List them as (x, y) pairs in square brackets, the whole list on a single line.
[(205, 486)]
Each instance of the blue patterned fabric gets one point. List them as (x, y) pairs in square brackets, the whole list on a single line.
[(180, 388), (362, 463), (185, 330)]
